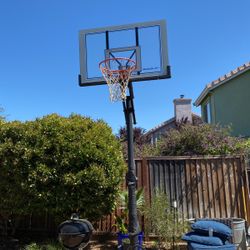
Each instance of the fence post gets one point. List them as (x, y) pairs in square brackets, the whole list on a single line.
[(245, 189)]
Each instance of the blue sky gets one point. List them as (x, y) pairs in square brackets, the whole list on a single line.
[(39, 55)]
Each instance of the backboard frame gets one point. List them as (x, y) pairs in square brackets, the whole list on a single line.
[(136, 49), (164, 73)]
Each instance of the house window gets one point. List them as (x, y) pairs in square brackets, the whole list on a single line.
[(207, 112), (155, 138)]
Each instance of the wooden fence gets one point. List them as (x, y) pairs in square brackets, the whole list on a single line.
[(213, 187), (202, 187)]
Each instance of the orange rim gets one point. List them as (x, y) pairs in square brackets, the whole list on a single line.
[(103, 63)]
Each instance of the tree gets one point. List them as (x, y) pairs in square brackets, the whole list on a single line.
[(138, 134), (60, 165), (2, 117), (140, 145), (203, 139)]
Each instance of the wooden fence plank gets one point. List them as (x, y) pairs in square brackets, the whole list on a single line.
[(246, 188), (240, 188), (189, 190), (145, 180), (183, 191), (233, 198), (221, 189), (225, 170), (138, 164), (205, 190), (151, 174), (211, 213), (215, 189), (161, 175), (172, 182), (199, 189), (168, 179), (236, 187), (194, 185), (177, 183)]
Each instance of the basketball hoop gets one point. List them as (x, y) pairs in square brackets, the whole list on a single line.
[(117, 72)]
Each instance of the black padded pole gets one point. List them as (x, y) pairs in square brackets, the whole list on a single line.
[(131, 178)]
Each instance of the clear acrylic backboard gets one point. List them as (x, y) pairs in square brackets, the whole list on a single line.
[(145, 43)]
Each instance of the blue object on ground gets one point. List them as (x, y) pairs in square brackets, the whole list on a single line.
[(218, 229), (206, 240), (196, 246), (122, 236)]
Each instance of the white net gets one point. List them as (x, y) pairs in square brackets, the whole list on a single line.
[(117, 72)]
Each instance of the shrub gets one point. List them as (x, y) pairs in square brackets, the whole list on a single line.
[(244, 146), (60, 165), (141, 147), (122, 203), (163, 220), (32, 246), (202, 139), (44, 246)]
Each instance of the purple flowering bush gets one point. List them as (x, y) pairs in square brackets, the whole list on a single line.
[(203, 139)]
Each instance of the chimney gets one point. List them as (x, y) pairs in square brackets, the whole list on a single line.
[(182, 109)]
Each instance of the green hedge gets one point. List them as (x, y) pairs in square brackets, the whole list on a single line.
[(59, 164)]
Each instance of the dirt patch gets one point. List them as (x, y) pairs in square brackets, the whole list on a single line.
[(111, 245)]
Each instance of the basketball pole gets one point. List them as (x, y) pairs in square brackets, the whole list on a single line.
[(131, 179)]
